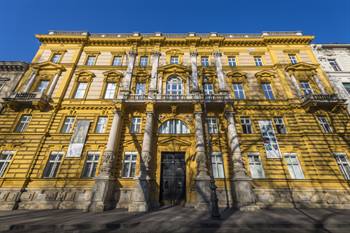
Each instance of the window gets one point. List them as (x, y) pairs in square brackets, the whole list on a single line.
[(42, 85), (258, 61), (56, 58), (269, 139), (2, 84), (306, 88), (293, 58), (174, 86), (90, 61), (255, 165), (140, 88), (53, 164), (334, 64), (135, 126), (267, 91), (80, 92), (5, 159), (217, 165), (212, 125), (101, 124), (129, 167), (293, 165), (246, 125), (67, 124), (232, 61), (326, 127), (174, 60), (208, 89), (205, 61), (280, 127), (346, 86), (238, 91), (343, 164), (91, 164), (110, 90), (117, 61), (174, 127), (23, 123), (143, 61)]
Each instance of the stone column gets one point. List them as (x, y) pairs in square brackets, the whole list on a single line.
[(53, 84), (30, 81), (154, 74), (319, 84), (296, 85), (125, 89), (142, 194), (195, 86), (202, 179), (243, 193), (105, 185), (220, 73)]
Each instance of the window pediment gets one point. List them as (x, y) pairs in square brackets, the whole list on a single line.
[(48, 65), (236, 76), (301, 66), (113, 76), (84, 76), (265, 76), (178, 68)]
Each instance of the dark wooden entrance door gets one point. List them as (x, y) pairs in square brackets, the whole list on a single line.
[(173, 182)]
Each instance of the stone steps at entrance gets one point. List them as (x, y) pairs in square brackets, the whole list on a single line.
[(176, 219)]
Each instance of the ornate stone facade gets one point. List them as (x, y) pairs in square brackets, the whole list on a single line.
[(168, 114)]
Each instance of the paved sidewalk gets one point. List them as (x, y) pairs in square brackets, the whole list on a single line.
[(177, 219)]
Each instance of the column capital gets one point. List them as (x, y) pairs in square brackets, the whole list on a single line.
[(118, 107), (132, 53), (194, 53), (198, 108), (217, 54), (156, 53), (149, 108)]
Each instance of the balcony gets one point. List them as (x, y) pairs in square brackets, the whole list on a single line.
[(214, 98), (329, 102), (36, 100)]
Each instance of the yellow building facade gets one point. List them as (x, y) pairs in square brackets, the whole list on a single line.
[(102, 121)]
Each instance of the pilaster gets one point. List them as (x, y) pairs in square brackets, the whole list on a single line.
[(220, 73), (125, 88), (30, 81), (154, 73), (195, 86)]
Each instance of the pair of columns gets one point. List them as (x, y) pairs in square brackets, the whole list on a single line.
[(299, 91)]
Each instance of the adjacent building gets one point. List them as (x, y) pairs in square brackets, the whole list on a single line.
[(102, 121)]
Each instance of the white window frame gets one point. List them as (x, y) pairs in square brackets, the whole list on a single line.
[(306, 87), (117, 61), (334, 64), (41, 88), (246, 123), (110, 90), (174, 60), (143, 61), (2, 84), (140, 88), (268, 92), (343, 164), (238, 91), (23, 123), (205, 61), (255, 166), (56, 57), (93, 162), (293, 58), (293, 165), (217, 165), (173, 126), (55, 157), (90, 60), (279, 124), (325, 125), (174, 86), (135, 126), (5, 162), (213, 127), (258, 61), (80, 90), (129, 163), (232, 61), (345, 84), (101, 124), (269, 139), (68, 124)]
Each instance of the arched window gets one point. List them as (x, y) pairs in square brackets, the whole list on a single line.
[(174, 127), (174, 86)]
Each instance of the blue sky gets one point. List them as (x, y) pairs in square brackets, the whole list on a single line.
[(20, 20)]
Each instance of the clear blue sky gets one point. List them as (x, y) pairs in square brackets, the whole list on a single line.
[(20, 20)]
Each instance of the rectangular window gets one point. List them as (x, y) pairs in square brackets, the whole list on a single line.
[(80, 92), (129, 167), (334, 64), (208, 90), (294, 167), (101, 124), (174, 60), (205, 61), (90, 61), (343, 164), (267, 91), (255, 165), (143, 61), (212, 125), (280, 127), (232, 61), (140, 88), (117, 61), (5, 159), (135, 125), (258, 61), (67, 124), (56, 58), (246, 125), (306, 88), (346, 86), (326, 127), (269, 139), (23, 123), (293, 58), (238, 91), (110, 90), (53, 164), (42, 85), (217, 165), (91, 164)]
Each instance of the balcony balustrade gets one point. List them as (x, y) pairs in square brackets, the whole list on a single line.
[(133, 98), (20, 100), (323, 101)]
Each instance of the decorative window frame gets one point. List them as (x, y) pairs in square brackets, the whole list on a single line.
[(46, 160), (54, 52), (39, 78), (118, 54), (174, 52), (91, 53), (141, 76), (111, 76), (14, 152), (82, 76)]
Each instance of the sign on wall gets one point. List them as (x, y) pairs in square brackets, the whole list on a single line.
[(270, 140), (77, 141)]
